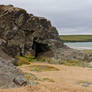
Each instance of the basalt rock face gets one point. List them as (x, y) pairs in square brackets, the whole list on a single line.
[(22, 33)]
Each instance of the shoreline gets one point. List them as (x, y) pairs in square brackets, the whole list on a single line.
[(82, 48)]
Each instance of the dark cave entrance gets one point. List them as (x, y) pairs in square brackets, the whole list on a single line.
[(39, 48)]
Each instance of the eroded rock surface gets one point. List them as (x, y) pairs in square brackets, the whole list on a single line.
[(10, 76), (23, 33)]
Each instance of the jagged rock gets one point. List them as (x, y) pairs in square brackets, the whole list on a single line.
[(68, 54), (24, 33), (10, 76)]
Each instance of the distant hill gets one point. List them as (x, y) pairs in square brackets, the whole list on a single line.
[(76, 38)]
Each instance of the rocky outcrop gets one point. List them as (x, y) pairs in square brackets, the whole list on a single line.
[(22, 33), (69, 54), (10, 76)]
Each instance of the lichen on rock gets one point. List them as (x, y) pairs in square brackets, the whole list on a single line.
[(24, 33)]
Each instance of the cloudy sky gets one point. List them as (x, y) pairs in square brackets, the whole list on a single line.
[(69, 16)]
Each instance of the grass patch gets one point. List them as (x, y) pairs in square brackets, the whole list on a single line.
[(84, 83), (36, 80), (42, 59), (75, 63), (22, 60), (90, 58), (76, 38), (30, 76), (48, 79), (88, 52), (42, 68), (27, 59)]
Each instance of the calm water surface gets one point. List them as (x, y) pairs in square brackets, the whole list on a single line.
[(80, 45)]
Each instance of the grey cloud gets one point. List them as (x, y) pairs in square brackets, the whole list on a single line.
[(69, 16)]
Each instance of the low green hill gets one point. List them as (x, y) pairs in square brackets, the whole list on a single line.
[(76, 38)]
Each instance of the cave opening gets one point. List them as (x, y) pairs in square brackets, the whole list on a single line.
[(39, 48)]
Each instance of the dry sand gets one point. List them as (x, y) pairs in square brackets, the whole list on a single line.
[(66, 80)]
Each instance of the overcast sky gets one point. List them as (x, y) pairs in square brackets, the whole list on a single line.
[(69, 16)]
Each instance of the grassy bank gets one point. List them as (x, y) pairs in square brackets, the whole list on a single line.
[(76, 38)]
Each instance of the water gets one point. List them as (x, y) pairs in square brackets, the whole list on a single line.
[(80, 45)]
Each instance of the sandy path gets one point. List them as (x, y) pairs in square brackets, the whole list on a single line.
[(66, 80)]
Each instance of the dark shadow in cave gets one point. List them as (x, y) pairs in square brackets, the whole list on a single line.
[(39, 48)]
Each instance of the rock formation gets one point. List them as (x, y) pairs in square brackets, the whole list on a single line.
[(10, 76), (22, 33)]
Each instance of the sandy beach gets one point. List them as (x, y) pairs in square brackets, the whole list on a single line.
[(80, 45), (82, 48), (68, 79)]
